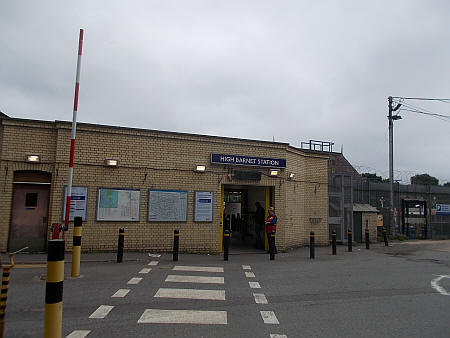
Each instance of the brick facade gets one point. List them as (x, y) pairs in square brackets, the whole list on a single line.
[(159, 160)]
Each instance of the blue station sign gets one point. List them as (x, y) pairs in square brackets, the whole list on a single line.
[(248, 160), (442, 209)]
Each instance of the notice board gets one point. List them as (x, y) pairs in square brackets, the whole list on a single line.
[(78, 203), (167, 205), (115, 204), (203, 211)]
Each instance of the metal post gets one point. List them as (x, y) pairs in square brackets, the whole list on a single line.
[(385, 237), (367, 235), (333, 242), (226, 244), (391, 166), (349, 240), (120, 243), (76, 247), (311, 245), (176, 241), (74, 131), (272, 245), (54, 289)]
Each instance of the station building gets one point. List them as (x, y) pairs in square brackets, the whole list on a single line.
[(153, 182)]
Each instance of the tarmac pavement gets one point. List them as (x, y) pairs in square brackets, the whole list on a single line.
[(384, 291)]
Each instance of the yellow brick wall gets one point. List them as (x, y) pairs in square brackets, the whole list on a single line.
[(160, 160)]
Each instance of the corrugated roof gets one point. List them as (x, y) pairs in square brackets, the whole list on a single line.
[(364, 208)]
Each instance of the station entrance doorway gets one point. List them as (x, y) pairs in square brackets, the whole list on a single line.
[(239, 215)]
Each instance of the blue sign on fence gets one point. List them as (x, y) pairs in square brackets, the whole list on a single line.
[(248, 160), (442, 209)]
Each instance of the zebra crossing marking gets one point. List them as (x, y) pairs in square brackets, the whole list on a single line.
[(134, 280), (275, 335), (101, 312), (197, 268), (246, 267), (78, 334), (249, 274), (153, 263), (191, 294), (121, 293), (155, 316), (254, 285), (145, 270), (154, 255), (269, 317), (195, 279), (260, 298)]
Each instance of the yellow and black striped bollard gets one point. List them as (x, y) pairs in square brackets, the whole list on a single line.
[(76, 248), (4, 293), (311, 245), (226, 244), (385, 237), (120, 243), (350, 240), (333, 242), (176, 243), (54, 289)]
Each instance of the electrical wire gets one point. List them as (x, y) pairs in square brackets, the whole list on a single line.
[(421, 99)]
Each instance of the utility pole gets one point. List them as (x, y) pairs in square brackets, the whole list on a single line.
[(391, 160), (391, 167)]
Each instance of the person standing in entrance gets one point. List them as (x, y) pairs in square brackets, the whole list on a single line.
[(271, 225), (259, 222)]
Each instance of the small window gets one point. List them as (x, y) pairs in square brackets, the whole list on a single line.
[(31, 200)]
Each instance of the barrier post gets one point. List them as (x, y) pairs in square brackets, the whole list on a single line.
[(4, 295), (349, 241), (176, 242), (333, 242), (385, 237), (226, 244), (54, 289), (120, 243), (76, 247), (272, 245), (311, 245), (367, 236)]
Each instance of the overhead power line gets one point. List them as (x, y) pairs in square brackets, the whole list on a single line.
[(422, 99)]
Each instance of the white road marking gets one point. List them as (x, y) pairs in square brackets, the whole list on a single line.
[(435, 285), (275, 335), (134, 280), (249, 274), (254, 285), (246, 267), (183, 317), (102, 311), (78, 334), (121, 293), (195, 279), (153, 263), (154, 255), (260, 298), (145, 270), (197, 268), (269, 317), (191, 294)]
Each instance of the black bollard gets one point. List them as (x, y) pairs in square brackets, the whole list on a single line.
[(367, 239), (272, 245), (120, 245), (349, 241), (385, 237), (333, 242), (226, 244), (176, 242), (311, 245)]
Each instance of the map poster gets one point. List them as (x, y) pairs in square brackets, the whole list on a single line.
[(118, 204), (78, 203), (167, 205), (203, 206)]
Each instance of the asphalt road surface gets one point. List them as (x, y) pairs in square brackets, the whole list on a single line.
[(399, 291)]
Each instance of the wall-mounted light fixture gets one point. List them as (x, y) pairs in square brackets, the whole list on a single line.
[(291, 175), (200, 168), (109, 162), (33, 158), (274, 172)]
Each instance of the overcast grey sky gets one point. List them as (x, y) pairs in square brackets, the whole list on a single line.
[(284, 70)]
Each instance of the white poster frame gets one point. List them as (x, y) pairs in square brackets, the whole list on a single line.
[(184, 215), (118, 219), (74, 191), (196, 206)]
